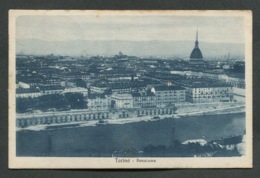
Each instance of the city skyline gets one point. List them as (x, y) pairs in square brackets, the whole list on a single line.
[(137, 35)]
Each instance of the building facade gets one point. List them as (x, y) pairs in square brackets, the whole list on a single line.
[(99, 102), (144, 100), (100, 88), (28, 93), (122, 100), (168, 95), (209, 94)]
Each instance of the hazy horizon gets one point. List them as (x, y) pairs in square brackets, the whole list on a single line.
[(138, 34), (133, 48)]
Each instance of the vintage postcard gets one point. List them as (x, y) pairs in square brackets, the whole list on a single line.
[(130, 89)]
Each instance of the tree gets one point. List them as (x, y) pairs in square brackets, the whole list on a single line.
[(75, 100)]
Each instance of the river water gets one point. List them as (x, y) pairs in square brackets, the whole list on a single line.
[(102, 140)]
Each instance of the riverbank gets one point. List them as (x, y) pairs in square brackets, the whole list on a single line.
[(181, 112)]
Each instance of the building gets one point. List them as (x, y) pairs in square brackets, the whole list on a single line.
[(51, 89), (54, 81), (120, 88), (81, 90), (38, 91), (99, 102), (46, 118), (144, 99), (128, 87), (98, 88), (22, 85), (122, 100), (28, 92), (236, 80), (196, 58), (168, 95), (120, 77), (31, 81), (208, 92)]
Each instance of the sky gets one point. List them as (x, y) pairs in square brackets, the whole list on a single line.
[(214, 29)]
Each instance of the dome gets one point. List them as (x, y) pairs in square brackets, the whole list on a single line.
[(196, 54)]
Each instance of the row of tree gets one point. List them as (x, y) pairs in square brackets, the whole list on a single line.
[(54, 101)]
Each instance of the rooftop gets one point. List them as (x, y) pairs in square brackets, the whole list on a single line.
[(27, 90), (196, 54), (143, 94), (165, 87), (122, 95), (52, 87), (192, 83), (95, 96)]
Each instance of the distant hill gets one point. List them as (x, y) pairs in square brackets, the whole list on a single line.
[(135, 48)]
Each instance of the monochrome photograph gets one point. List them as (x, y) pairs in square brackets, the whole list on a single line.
[(130, 89)]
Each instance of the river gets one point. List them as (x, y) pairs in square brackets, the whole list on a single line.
[(102, 140)]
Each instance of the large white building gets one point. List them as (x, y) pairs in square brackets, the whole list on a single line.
[(99, 102), (209, 92), (168, 95), (122, 100), (236, 81)]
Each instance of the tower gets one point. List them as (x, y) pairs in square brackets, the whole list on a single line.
[(196, 58)]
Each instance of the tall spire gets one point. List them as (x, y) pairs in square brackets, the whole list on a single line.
[(197, 41), (196, 53)]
